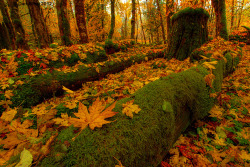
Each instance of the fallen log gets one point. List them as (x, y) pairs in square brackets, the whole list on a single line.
[(168, 106), (36, 89)]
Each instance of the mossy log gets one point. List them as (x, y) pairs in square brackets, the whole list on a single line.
[(168, 105), (38, 88), (188, 31)]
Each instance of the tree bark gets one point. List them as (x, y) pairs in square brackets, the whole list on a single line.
[(143, 33), (240, 14), (169, 13), (133, 20), (189, 31), (8, 23), (161, 20), (221, 20), (63, 22), (81, 21), (232, 17), (4, 37), (38, 21), (20, 33), (112, 27)]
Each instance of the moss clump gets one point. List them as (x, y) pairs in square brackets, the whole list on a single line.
[(190, 11), (72, 60), (53, 45)]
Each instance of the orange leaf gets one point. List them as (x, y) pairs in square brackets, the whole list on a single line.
[(95, 117)]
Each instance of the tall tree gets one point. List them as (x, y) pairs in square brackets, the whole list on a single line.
[(221, 20), (20, 33), (169, 13), (143, 33), (80, 20), (8, 24), (63, 22), (133, 20), (38, 22), (232, 16), (240, 13), (161, 21), (112, 28)]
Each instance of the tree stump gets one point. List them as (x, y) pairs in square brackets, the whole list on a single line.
[(189, 31)]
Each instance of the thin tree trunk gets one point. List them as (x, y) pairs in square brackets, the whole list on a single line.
[(63, 22), (103, 17), (133, 20), (169, 13), (240, 14), (126, 24), (161, 20), (20, 33), (112, 28), (37, 20), (232, 17), (8, 24), (143, 33), (221, 20), (80, 20)]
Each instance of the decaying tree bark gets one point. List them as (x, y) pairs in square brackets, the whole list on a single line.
[(189, 31), (38, 21), (133, 20)]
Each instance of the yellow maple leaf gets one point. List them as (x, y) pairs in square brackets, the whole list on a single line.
[(67, 90), (9, 114), (210, 65), (95, 117), (130, 108), (244, 155), (8, 94)]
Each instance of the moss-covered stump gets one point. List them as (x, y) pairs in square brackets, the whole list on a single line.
[(248, 34), (168, 105), (36, 89), (188, 32)]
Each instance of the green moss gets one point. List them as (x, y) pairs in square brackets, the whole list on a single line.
[(218, 72), (72, 60), (229, 64), (190, 11), (53, 45)]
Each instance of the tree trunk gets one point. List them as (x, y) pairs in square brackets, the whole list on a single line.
[(143, 33), (63, 22), (189, 31), (4, 37), (80, 20), (232, 17), (8, 24), (126, 24), (14, 13), (37, 20), (161, 21), (221, 20), (169, 13), (240, 14), (133, 20), (103, 17), (112, 27)]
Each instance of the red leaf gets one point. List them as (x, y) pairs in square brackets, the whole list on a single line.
[(42, 65), (165, 164), (30, 70)]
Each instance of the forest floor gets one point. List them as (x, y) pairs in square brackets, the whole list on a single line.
[(220, 139)]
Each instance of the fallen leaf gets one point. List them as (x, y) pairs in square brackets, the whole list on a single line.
[(130, 108), (26, 159)]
